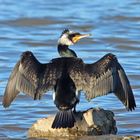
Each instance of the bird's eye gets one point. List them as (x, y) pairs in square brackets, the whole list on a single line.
[(73, 35)]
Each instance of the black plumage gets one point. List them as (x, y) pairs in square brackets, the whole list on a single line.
[(64, 119), (66, 76)]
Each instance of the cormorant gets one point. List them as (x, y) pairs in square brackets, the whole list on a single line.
[(66, 76), (67, 39)]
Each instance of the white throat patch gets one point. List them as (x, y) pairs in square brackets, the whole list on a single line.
[(64, 40)]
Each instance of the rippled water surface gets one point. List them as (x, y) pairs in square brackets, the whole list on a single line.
[(35, 25)]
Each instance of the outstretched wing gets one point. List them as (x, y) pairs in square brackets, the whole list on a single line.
[(104, 77), (30, 77)]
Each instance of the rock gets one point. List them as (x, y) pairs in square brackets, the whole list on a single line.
[(90, 122), (130, 138)]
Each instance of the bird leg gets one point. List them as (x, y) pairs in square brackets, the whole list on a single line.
[(74, 110)]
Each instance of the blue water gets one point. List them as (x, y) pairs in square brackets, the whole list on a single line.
[(36, 25)]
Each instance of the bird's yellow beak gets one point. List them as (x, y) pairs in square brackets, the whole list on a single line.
[(76, 38)]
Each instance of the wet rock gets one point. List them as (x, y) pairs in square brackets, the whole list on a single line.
[(130, 138), (90, 122)]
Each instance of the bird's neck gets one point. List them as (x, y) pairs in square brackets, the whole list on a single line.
[(64, 51), (62, 48)]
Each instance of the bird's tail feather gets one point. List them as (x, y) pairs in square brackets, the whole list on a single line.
[(64, 119)]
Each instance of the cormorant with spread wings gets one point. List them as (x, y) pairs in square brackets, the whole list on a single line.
[(66, 76)]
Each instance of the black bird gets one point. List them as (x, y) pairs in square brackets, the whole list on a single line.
[(67, 39), (66, 76)]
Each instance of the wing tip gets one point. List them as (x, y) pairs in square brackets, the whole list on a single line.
[(131, 103), (131, 106), (5, 103)]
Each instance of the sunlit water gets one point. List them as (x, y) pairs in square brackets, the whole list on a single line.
[(35, 25)]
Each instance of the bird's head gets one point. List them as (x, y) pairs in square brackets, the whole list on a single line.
[(69, 37)]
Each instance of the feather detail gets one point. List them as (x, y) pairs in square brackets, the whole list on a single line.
[(64, 119)]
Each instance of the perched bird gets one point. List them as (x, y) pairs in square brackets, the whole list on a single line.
[(67, 39), (66, 76)]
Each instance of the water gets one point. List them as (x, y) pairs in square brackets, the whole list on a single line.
[(36, 25)]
